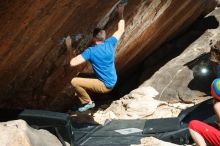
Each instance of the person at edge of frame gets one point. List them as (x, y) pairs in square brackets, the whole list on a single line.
[(205, 134)]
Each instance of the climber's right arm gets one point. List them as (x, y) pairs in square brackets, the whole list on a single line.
[(121, 29), (121, 23)]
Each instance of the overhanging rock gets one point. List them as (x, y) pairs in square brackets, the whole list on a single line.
[(34, 66)]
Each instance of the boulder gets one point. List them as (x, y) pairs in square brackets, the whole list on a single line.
[(151, 141), (138, 104), (19, 133), (35, 72)]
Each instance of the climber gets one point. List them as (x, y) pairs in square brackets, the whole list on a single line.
[(101, 57), (204, 134)]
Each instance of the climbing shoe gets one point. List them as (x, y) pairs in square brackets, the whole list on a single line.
[(87, 106)]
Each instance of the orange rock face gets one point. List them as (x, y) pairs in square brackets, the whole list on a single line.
[(34, 64)]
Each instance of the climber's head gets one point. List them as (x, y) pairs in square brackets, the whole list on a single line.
[(99, 35)]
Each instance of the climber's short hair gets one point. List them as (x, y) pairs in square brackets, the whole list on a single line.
[(99, 34)]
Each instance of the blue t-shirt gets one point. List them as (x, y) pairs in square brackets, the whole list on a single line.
[(102, 58)]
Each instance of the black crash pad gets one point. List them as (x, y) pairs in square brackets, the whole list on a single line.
[(153, 126)]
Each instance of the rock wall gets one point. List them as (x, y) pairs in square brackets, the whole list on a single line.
[(188, 76), (34, 64)]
